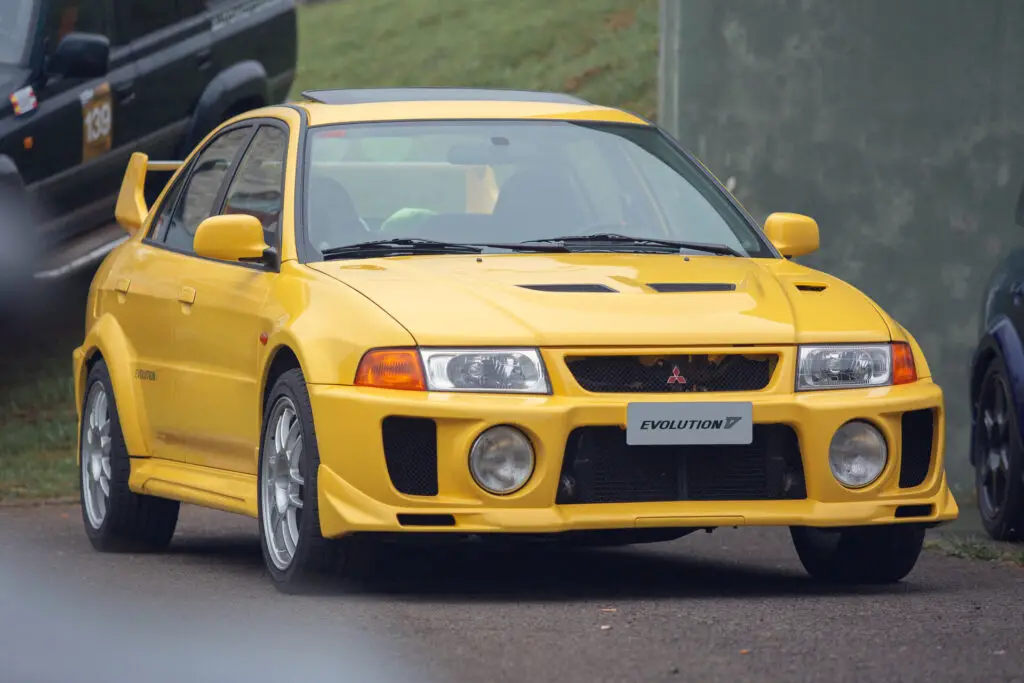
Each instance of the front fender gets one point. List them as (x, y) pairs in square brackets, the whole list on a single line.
[(1000, 340), (244, 81), (106, 338)]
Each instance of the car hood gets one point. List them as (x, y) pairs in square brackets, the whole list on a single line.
[(520, 299)]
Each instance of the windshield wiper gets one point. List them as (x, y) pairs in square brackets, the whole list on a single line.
[(615, 238), (399, 246), (402, 246)]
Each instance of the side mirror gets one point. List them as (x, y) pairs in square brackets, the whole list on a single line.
[(232, 237), (81, 55), (792, 234)]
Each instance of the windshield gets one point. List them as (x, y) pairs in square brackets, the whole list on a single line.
[(15, 30), (511, 182)]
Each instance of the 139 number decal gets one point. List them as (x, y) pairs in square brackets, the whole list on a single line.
[(97, 121)]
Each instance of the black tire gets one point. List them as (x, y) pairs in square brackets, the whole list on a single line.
[(315, 558), (998, 456), (132, 522), (861, 555)]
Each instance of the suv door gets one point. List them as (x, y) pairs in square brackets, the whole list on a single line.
[(218, 387), (151, 307), (171, 44), (72, 150)]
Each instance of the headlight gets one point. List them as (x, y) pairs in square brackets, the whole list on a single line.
[(857, 454), (501, 460), (518, 371), (844, 366)]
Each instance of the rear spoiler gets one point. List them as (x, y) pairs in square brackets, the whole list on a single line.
[(131, 209)]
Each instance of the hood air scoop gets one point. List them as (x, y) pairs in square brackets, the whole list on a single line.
[(667, 287), (584, 288)]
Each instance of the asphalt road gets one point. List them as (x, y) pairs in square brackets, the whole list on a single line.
[(731, 606)]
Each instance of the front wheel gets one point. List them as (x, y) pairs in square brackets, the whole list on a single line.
[(294, 549), (865, 555), (998, 457)]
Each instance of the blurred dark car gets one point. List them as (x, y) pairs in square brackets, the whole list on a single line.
[(85, 83), (997, 399)]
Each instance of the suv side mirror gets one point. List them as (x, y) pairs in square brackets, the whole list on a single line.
[(792, 234), (232, 237), (81, 55)]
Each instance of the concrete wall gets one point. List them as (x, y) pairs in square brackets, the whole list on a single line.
[(897, 124)]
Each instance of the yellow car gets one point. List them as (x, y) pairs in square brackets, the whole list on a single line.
[(492, 314)]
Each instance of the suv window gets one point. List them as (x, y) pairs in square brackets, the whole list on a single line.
[(16, 22), (83, 16), (258, 186), (142, 17), (197, 197)]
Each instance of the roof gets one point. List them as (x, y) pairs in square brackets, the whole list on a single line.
[(436, 94), (404, 104)]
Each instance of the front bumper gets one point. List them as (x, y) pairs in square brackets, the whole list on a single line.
[(356, 493)]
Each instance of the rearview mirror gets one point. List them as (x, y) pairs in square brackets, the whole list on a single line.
[(81, 55), (233, 237), (792, 234)]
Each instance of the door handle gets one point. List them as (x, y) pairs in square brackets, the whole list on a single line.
[(204, 57), (122, 285), (125, 91), (187, 295)]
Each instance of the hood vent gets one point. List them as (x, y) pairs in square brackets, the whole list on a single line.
[(579, 289), (811, 286), (692, 286)]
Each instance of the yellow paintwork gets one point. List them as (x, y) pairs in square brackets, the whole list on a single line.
[(130, 211), (196, 325), (233, 237), (791, 233)]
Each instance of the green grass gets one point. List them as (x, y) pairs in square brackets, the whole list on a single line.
[(977, 548), (605, 51), (37, 425)]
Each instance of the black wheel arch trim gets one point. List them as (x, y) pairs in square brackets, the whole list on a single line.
[(1000, 341), (245, 80)]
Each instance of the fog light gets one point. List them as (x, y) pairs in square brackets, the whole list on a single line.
[(501, 460), (857, 454)]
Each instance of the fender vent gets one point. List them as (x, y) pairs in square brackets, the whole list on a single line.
[(811, 286), (667, 287), (591, 289)]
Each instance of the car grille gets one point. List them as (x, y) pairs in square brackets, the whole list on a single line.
[(600, 467), (669, 374), (410, 451)]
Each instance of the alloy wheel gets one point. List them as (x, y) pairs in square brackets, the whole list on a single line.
[(95, 455), (282, 483)]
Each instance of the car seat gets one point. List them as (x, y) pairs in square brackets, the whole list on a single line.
[(533, 204), (331, 217)]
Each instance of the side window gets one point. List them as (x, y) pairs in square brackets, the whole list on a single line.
[(258, 186), (198, 195), (142, 17), (83, 16), (158, 229)]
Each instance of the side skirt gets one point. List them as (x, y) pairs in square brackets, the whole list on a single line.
[(203, 486)]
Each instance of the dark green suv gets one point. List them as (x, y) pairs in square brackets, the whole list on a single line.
[(87, 82)]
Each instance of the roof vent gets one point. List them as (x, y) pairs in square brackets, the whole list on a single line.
[(591, 289), (692, 286)]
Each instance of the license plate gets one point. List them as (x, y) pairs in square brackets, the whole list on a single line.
[(689, 424)]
